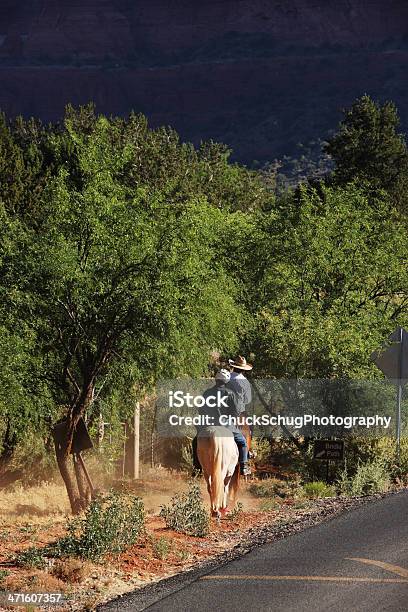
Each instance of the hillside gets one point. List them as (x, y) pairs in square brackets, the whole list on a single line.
[(259, 75)]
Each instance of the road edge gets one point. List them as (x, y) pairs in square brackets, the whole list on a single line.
[(328, 509)]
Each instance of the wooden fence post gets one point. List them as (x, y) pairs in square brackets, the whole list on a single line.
[(136, 441)]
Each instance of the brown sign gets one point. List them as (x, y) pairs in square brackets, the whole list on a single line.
[(328, 450), (81, 440)]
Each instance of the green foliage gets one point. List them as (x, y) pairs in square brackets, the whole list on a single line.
[(126, 256), (328, 282), (24, 398), (111, 524), (33, 458), (3, 576), (269, 505), (236, 512), (362, 450), (161, 547), (368, 147), (273, 487), (370, 477), (113, 261), (32, 558), (262, 448), (186, 513), (318, 489), (186, 463)]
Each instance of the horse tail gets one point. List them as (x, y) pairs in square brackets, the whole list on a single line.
[(234, 485), (217, 481)]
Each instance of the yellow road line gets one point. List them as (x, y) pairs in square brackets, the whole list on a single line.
[(308, 578), (394, 569)]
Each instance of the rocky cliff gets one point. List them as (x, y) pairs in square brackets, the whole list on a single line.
[(260, 75)]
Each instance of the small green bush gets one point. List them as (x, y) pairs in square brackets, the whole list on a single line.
[(111, 524), (318, 489), (262, 448), (161, 547), (371, 477), (186, 513), (236, 512), (269, 505), (186, 459), (32, 558)]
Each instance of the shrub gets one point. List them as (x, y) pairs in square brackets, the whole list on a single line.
[(111, 524), (236, 512), (186, 513), (269, 505), (32, 558), (318, 489), (3, 576), (161, 547), (366, 450), (262, 449), (370, 477), (273, 487), (186, 460)]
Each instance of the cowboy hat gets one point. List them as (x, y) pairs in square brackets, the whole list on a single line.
[(240, 363)]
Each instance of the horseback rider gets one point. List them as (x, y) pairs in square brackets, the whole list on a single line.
[(242, 388), (221, 390), (239, 384)]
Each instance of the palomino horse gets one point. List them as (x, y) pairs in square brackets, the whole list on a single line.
[(218, 456)]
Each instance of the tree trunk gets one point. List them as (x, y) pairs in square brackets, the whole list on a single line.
[(72, 488), (83, 486), (77, 412), (79, 492)]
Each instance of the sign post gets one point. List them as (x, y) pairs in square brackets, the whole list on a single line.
[(392, 360), (328, 450)]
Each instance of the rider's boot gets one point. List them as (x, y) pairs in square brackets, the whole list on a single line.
[(245, 470)]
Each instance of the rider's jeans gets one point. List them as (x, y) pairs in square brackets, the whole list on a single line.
[(242, 446)]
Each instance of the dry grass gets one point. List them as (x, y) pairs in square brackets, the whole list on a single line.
[(23, 504), (157, 487), (34, 581), (71, 570), (40, 503)]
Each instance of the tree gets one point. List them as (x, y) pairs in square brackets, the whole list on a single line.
[(123, 282), (332, 284), (25, 401), (368, 147)]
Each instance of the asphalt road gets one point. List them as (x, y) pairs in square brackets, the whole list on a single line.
[(355, 562)]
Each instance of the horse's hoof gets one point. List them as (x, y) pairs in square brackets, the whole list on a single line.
[(224, 511), (216, 514)]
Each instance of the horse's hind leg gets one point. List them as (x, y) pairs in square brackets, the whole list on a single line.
[(227, 481), (215, 510), (208, 481), (210, 493)]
